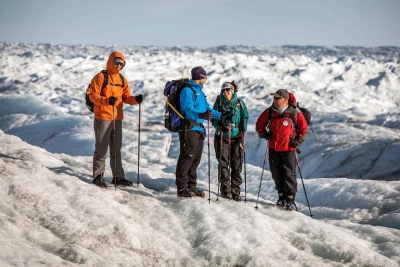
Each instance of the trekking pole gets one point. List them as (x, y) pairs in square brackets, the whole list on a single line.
[(313, 132), (262, 173), (115, 151), (229, 155), (138, 155), (301, 176), (219, 162), (209, 168), (245, 174)]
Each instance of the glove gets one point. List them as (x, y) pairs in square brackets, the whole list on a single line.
[(227, 115), (294, 143), (112, 100), (206, 115), (139, 98), (268, 135)]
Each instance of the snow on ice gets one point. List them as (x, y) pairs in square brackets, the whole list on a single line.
[(51, 214)]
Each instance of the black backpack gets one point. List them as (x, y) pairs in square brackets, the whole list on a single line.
[(172, 90), (306, 113), (89, 103)]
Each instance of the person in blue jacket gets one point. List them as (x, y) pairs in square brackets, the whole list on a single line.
[(228, 140), (195, 109)]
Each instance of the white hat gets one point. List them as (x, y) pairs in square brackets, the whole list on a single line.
[(227, 85)]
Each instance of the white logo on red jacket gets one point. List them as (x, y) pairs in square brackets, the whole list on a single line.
[(285, 123)]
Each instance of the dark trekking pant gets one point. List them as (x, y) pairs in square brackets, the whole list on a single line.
[(283, 169), (104, 134), (235, 161), (190, 152)]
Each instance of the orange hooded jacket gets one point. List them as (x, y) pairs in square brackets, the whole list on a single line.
[(103, 110)]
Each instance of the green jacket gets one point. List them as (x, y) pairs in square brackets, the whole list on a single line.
[(239, 118)]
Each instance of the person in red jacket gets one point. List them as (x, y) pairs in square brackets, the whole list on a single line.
[(108, 115), (285, 128)]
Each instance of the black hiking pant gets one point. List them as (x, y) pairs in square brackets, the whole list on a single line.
[(191, 148), (283, 169), (229, 158)]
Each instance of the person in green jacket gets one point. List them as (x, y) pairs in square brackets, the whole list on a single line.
[(228, 140)]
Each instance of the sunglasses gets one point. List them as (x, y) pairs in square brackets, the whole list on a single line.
[(118, 62), (277, 98), (226, 90)]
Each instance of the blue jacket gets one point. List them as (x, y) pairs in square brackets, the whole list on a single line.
[(239, 118), (191, 108)]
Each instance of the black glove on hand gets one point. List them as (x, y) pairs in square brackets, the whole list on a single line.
[(112, 100), (294, 143), (268, 135), (139, 98), (227, 115), (206, 115)]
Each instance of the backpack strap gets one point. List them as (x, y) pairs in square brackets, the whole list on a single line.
[(105, 81), (239, 104), (269, 115), (241, 123), (290, 115), (122, 79), (219, 103), (194, 92)]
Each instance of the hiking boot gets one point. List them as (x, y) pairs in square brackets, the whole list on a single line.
[(290, 204), (99, 181), (281, 203), (197, 192), (226, 195), (235, 195), (185, 193), (236, 198), (121, 181)]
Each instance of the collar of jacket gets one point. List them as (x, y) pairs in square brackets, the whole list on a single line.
[(195, 85), (280, 111), (226, 102)]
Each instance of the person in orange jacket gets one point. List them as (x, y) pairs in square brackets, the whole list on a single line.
[(285, 129), (108, 117)]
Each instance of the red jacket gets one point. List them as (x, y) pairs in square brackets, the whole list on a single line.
[(282, 127)]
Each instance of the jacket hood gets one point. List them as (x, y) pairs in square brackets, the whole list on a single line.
[(110, 66), (292, 99)]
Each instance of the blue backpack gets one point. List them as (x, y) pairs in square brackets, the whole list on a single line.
[(174, 121)]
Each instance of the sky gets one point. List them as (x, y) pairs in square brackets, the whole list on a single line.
[(203, 23), (52, 215)]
